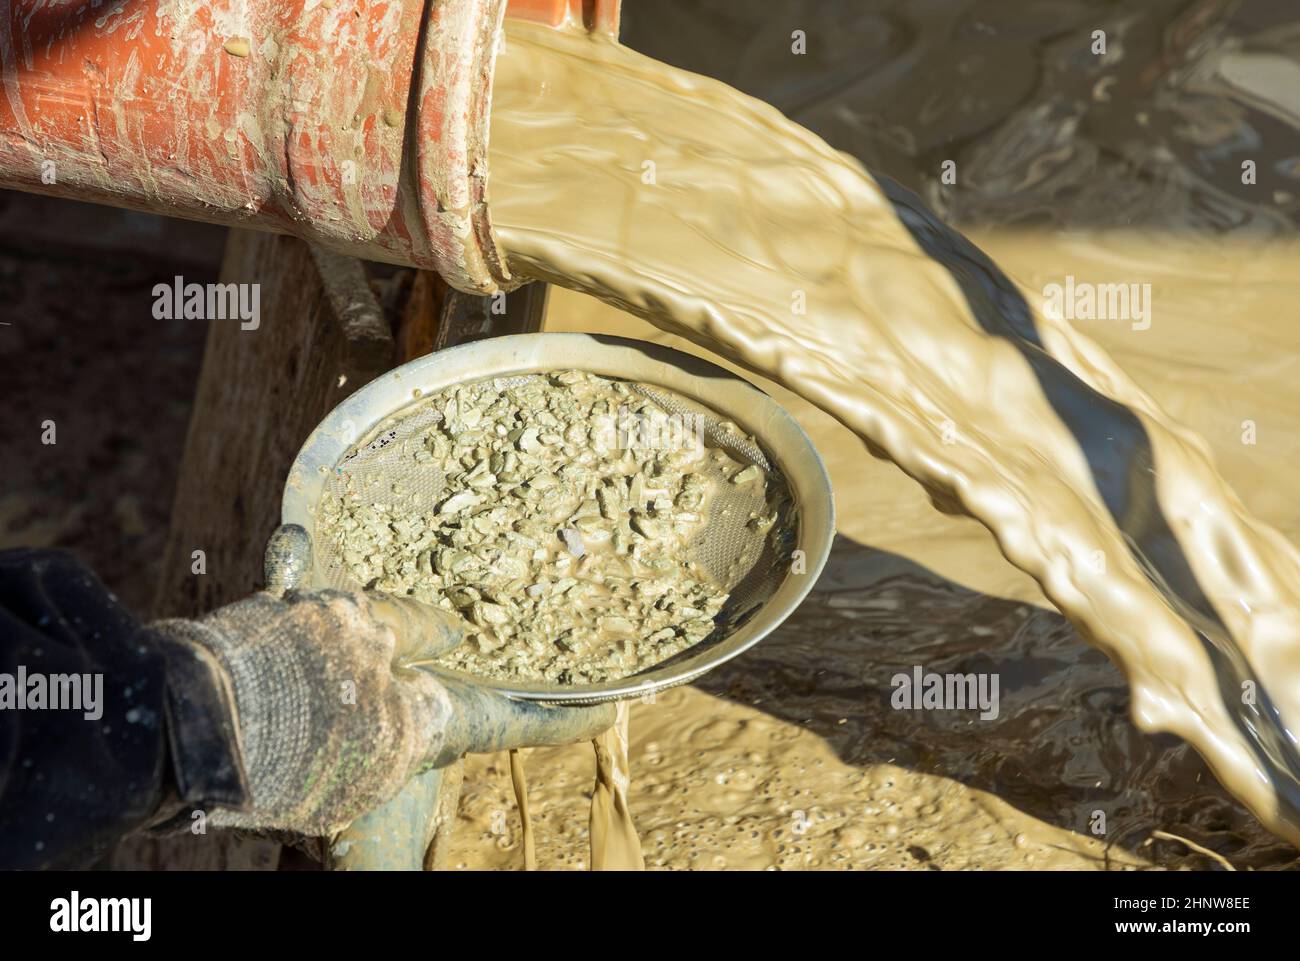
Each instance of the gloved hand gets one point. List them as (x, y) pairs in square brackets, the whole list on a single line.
[(333, 718)]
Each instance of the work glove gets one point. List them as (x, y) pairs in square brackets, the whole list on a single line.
[(333, 715)]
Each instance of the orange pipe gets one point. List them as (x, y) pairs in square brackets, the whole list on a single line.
[(591, 15), (360, 127)]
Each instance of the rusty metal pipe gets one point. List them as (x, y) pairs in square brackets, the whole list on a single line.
[(359, 127)]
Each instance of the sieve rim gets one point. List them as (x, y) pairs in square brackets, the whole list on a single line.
[(727, 394)]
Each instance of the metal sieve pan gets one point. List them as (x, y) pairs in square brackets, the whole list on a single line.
[(364, 433)]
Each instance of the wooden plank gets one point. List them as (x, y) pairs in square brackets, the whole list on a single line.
[(260, 393)]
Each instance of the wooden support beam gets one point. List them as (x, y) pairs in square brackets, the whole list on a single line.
[(260, 393)]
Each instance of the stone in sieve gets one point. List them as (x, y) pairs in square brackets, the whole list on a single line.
[(364, 434)]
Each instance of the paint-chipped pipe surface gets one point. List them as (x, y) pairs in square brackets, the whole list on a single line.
[(359, 127)]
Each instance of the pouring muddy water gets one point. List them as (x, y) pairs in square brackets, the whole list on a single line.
[(680, 200)]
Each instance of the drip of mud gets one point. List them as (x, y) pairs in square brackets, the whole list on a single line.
[(614, 842), (677, 199), (526, 835), (615, 845)]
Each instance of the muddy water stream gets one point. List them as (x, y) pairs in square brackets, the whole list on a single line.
[(794, 262)]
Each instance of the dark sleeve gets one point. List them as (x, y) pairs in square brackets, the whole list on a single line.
[(101, 721)]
